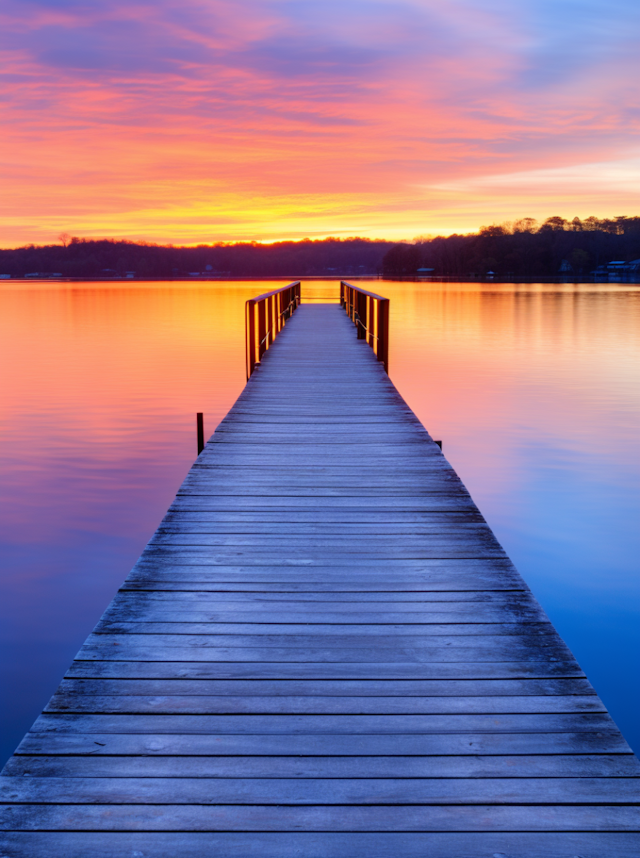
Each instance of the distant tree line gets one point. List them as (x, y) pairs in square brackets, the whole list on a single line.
[(523, 250), (80, 257)]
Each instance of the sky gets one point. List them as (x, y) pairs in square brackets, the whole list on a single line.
[(220, 120)]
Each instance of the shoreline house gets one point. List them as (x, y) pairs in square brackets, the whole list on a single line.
[(425, 273), (618, 271)]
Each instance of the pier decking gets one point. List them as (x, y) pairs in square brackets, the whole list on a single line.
[(323, 652)]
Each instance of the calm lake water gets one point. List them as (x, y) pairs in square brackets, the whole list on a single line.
[(535, 391)]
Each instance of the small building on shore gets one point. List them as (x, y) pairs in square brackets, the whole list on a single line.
[(618, 271)]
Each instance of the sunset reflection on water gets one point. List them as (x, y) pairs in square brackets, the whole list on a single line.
[(535, 391)]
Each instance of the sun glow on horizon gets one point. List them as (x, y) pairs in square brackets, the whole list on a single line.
[(199, 123)]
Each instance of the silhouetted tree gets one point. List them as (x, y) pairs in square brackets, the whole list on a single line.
[(521, 250)]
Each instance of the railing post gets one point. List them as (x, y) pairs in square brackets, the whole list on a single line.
[(383, 333), (251, 337), (262, 329), (273, 310), (370, 314), (362, 316), (374, 322)]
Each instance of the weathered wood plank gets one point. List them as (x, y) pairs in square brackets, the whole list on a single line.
[(536, 669), (339, 724), (443, 501), (571, 842), (98, 744), (81, 702), (249, 523), (451, 569), (276, 629), (321, 791), (333, 688), (352, 613), (328, 517), (540, 634), (227, 583), (424, 599), (567, 843), (301, 652), (540, 766)]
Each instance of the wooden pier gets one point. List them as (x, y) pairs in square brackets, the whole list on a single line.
[(323, 652)]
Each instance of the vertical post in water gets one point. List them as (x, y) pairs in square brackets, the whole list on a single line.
[(200, 427)]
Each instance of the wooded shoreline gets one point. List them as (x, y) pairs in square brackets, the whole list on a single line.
[(555, 251)]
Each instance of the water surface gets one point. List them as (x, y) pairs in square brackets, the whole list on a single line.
[(534, 390)]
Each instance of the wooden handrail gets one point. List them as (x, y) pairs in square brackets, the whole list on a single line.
[(273, 310), (370, 314)]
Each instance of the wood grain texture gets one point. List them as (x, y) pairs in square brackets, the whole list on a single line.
[(322, 652), (327, 844)]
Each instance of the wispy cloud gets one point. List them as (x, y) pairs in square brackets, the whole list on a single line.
[(611, 177)]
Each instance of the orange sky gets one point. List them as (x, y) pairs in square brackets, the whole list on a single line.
[(209, 120)]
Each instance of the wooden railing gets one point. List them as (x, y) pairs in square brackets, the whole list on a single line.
[(265, 317), (370, 314)]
